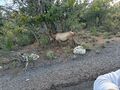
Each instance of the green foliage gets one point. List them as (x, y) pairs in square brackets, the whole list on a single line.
[(44, 40), (13, 64), (23, 40), (7, 37), (14, 35), (68, 15), (21, 27), (112, 22), (70, 2), (1, 19), (96, 12), (87, 46), (94, 31), (107, 35), (50, 55)]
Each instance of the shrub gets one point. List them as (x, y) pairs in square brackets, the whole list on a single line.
[(23, 40), (112, 21), (94, 31), (50, 55), (44, 40), (96, 12), (14, 35)]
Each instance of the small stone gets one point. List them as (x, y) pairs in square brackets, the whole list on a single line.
[(27, 80), (1, 67)]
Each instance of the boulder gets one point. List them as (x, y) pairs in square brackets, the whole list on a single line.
[(79, 50)]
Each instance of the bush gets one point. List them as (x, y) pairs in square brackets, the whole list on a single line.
[(112, 21), (14, 35), (50, 55), (96, 12), (94, 31), (21, 27), (44, 40), (23, 40)]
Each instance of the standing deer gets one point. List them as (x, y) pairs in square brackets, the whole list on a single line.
[(62, 37)]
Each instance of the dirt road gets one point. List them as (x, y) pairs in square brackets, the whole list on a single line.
[(75, 74)]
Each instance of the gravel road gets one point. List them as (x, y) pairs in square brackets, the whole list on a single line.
[(75, 74)]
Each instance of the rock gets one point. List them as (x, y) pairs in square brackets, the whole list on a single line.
[(79, 50), (1, 67), (27, 80), (34, 56)]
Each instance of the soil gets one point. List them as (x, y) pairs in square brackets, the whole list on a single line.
[(65, 72)]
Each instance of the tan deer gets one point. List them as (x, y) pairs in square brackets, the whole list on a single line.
[(64, 36)]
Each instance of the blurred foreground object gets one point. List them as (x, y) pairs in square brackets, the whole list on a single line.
[(109, 81)]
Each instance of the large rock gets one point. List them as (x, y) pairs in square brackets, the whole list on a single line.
[(79, 50)]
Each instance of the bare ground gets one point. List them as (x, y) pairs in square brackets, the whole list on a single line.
[(73, 73)]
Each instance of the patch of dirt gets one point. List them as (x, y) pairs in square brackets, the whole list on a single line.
[(62, 53)]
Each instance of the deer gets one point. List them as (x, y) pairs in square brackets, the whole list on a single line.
[(65, 36)]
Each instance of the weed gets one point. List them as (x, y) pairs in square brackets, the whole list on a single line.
[(94, 31), (44, 40), (50, 55), (107, 35)]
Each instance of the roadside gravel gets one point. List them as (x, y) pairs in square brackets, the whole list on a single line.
[(75, 74)]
